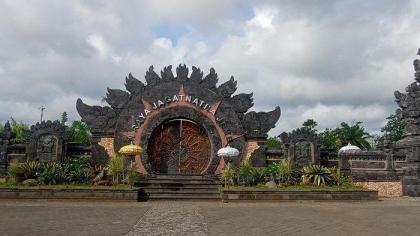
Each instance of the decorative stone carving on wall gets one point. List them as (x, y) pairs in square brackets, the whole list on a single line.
[(136, 112), (46, 141), (46, 148), (302, 146)]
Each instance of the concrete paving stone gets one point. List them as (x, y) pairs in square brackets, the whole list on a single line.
[(394, 216)]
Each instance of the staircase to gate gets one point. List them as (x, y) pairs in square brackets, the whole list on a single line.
[(178, 187)]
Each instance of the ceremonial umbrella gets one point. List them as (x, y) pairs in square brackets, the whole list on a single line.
[(131, 150)]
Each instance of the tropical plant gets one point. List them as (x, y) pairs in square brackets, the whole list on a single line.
[(78, 169), (244, 173), (227, 175), (14, 171), (32, 169), (116, 166), (79, 132), (282, 172), (330, 140), (19, 130), (354, 133), (53, 173), (273, 143), (81, 176), (315, 174), (339, 178), (76, 162), (258, 175), (131, 175)]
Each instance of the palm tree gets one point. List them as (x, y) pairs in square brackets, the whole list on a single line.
[(355, 134)]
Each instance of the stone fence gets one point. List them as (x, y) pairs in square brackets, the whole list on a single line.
[(20, 152)]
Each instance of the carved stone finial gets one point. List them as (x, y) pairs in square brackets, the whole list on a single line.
[(7, 127), (211, 79), (151, 77), (196, 74), (166, 73), (182, 72), (133, 85)]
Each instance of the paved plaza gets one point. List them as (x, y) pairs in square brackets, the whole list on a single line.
[(399, 216)]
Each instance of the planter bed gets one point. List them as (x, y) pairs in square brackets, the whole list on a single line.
[(297, 195), (70, 193), (122, 193)]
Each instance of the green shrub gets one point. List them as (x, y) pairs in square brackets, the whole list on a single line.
[(116, 167), (131, 176), (14, 171), (283, 172), (258, 176), (78, 169), (32, 169), (315, 174), (339, 178), (80, 176), (53, 173), (244, 173), (227, 175), (75, 162)]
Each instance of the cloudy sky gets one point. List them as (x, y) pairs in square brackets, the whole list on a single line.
[(331, 61)]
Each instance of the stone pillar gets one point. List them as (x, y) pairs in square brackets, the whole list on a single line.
[(344, 165), (4, 144), (389, 163), (102, 148), (255, 150), (411, 178)]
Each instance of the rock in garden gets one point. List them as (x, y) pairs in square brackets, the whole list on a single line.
[(30, 182), (271, 184)]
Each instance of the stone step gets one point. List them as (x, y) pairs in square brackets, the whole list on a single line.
[(181, 177), (176, 185), (181, 190), (180, 196), (186, 187)]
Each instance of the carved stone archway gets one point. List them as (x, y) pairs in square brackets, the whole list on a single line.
[(135, 113)]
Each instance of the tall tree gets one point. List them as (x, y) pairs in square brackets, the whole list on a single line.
[(64, 118), (394, 128), (19, 130), (330, 139), (354, 133), (273, 143), (310, 124), (79, 132)]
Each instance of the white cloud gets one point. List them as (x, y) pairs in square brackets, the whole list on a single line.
[(99, 44), (263, 18), (330, 61)]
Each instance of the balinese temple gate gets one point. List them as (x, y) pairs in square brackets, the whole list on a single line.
[(180, 122)]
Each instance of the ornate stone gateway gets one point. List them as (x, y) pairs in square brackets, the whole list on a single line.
[(179, 147), (180, 120)]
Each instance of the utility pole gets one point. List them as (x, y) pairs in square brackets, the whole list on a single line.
[(42, 108)]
